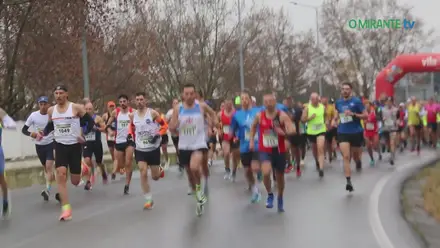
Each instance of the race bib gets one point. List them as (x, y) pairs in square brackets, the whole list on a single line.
[(188, 130), (226, 129), (123, 123), (317, 127), (369, 126), (345, 119), (302, 128), (90, 136), (270, 140), (63, 130), (144, 141), (389, 123)]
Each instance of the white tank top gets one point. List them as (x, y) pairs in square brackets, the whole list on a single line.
[(145, 130), (122, 124), (67, 128), (192, 133)]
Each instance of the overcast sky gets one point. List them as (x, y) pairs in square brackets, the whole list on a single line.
[(304, 18)]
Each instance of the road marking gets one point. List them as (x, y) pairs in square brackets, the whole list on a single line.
[(379, 232)]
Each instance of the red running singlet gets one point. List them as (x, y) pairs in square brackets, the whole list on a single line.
[(268, 139), (226, 125)]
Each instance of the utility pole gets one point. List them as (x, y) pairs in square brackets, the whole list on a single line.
[(85, 65), (240, 29)]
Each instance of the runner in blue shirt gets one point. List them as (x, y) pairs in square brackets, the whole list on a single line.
[(349, 112), (241, 124)]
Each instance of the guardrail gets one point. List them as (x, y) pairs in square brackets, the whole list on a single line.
[(18, 146)]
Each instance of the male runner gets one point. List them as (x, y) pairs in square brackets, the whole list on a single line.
[(402, 118), (349, 112), (230, 144), (432, 109), (242, 122), (174, 135), (146, 133), (290, 157), (93, 146), (297, 141), (273, 125), (314, 116), (164, 143), (110, 135), (7, 122), (415, 124), (188, 119), (389, 117), (66, 119), (38, 121), (124, 144)]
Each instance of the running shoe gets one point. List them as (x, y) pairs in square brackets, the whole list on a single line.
[(372, 163), (269, 201), (57, 197), (288, 169), (88, 186), (280, 204), (149, 204), (66, 215), (162, 172), (45, 195), (256, 197), (126, 190), (190, 191), (6, 209), (349, 187)]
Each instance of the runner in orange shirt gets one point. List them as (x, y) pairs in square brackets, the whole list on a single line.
[(164, 144)]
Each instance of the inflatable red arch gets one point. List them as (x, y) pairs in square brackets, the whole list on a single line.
[(401, 65)]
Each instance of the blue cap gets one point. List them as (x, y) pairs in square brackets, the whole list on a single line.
[(43, 99)]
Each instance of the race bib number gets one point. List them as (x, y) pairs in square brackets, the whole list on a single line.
[(302, 128), (90, 136), (369, 126), (317, 127), (123, 123), (226, 129), (270, 140), (345, 119), (189, 130), (389, 123), (63, 130), (144, 141)]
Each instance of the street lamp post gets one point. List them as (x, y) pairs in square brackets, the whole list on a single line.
[(240, 29), (85, 65), (317, 34)]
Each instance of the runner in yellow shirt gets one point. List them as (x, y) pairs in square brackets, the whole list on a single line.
[(414, 123)]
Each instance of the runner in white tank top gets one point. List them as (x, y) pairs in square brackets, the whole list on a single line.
[(65, 122), (124, 147), (147, 123), (189, 119)]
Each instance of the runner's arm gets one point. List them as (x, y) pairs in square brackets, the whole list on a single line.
[(362, 112), (100, 121), (304, 115), (218, 116), (211, 113), (49, 127), (131, 127), (157, 118), (7, 121), (288, 124), (335, 119), (85, 118), (174, 122), (254, 128), (25, 130), (110, 120)]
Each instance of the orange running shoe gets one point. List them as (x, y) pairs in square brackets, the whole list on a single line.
[(148, 204)]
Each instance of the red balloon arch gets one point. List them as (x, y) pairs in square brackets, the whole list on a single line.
[(401, 65)]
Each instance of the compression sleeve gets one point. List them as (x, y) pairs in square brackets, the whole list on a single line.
[(25, 130), (49, 128), (88, 122)]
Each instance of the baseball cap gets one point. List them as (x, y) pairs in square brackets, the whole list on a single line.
[(111, 104), (43, 99)]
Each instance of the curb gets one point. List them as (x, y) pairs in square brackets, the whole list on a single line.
[(28, 176), (400, 232)]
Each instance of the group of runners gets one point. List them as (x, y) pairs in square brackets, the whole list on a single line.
[(269, 140)]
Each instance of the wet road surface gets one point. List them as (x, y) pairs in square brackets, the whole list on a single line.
[(319, 213)]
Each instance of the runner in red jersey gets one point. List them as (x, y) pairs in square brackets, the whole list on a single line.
[(273, 127), (371, 133), (230, 144)]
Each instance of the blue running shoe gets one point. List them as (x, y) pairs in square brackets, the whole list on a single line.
[(280, 205), (269, 202)]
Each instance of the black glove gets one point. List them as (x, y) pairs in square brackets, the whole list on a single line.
[(155, 138), (129, 138)]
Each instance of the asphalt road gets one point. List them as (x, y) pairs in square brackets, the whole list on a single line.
[(319, 213)]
